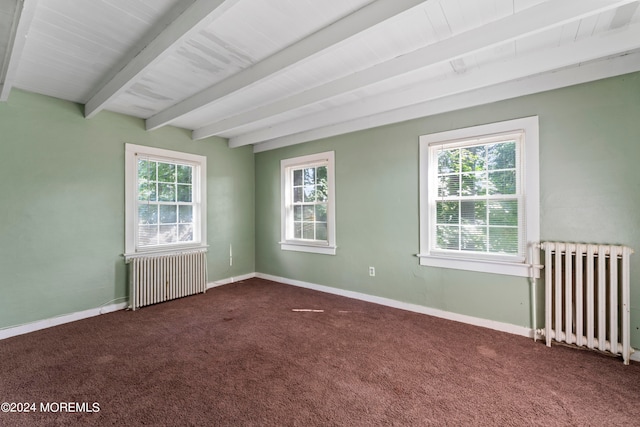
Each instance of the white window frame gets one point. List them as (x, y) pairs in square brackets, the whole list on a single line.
[(287, 242), (132, 154), (529, 164)]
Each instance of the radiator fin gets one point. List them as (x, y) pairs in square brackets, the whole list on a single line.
[(159, 278), (587, 296)]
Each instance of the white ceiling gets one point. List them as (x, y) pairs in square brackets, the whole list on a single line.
[(279, 72)]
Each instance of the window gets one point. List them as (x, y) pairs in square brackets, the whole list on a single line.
[(165, 200), (479, 198), (308, 204)]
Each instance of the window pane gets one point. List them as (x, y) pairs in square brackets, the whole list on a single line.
[(503, 239), (147, 191), (185, 214), (322, 192), (164, 208), (473, 212), (502, 155), (474, 239), (447, 212), (184, 193), (166, 172), (308, 213), (147, 214), (321, 213), (449, 185), (168, 234), (185, 233), (474, 184), (297, 213), (143, 191), (448, 161), (297, 177), (305, 212), (502, 182), (478, 210), (185, 174), (321, 231), (473, 158), (143, 169), (147, 235), (307, 230), (309, 193), (168, 214), (309, 176), (503, 212), (146, 170), (321, 174), (167, 192), (448, 237)]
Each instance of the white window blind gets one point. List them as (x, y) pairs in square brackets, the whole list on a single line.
[(165, 200), (479, 197), (478, 204)]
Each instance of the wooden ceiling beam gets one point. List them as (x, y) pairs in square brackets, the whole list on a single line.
[(617, 53), (25, 9), (169, 36), (522, 24), (339, 31)]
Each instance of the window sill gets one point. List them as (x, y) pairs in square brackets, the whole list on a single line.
[(480, 265), (308, 247)]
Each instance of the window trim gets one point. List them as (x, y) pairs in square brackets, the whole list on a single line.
[(132, 152), (530, 192), (286, 213)]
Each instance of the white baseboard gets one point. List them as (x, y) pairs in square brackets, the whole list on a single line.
[(477, 321), (230, 280), (12, 331)]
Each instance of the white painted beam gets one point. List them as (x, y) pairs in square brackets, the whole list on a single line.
[(339, 31), (605, 45), (569, 76), (25, 10), (169, 38), (525, 23)]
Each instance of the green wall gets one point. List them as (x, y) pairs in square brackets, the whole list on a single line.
[(62, 209), (62, 206), (589, 184)]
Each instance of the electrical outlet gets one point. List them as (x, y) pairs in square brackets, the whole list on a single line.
[(372, 271)]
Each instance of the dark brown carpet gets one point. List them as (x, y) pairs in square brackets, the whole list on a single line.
[(239, 355)]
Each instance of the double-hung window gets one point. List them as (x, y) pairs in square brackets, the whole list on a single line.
[(308, 204), (165, 200), (479, 197)]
